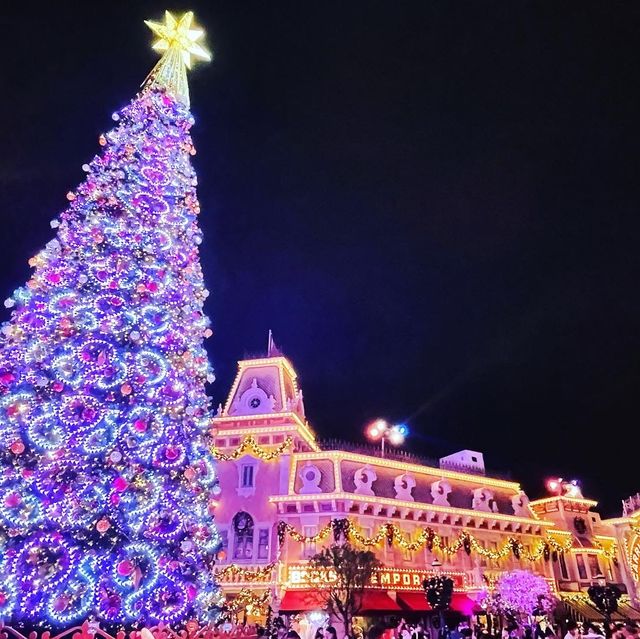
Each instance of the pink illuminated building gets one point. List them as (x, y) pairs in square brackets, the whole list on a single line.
[(277, 478)]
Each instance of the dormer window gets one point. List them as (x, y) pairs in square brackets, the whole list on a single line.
[(246, 476), (247, 470), (254, 400)]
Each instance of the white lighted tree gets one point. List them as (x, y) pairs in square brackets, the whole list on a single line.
[(520, 595)]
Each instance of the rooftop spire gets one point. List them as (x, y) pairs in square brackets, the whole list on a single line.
[(177, 41)]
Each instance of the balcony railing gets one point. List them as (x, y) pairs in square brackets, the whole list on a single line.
[(404, 456), (631, 505)]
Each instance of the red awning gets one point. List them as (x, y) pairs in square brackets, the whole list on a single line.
[(377, 601), (303, 600), (417, 602), (373, 601), (464, 604), (413, 601)]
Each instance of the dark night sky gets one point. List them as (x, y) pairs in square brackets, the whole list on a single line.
[(434, 205)]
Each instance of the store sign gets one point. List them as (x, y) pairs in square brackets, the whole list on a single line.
[(299, 576), (634, 557)]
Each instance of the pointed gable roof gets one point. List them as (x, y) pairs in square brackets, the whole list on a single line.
[(263, 387)]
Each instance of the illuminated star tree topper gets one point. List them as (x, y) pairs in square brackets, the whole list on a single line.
[(178, 42)]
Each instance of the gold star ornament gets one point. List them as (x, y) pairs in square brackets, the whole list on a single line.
[(178, 42)]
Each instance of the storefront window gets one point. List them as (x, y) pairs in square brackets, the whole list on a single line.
[(582, 569), (563, 566), (243, 536), (494, 548), (594, 566), (483, 558), (310, 546), (263, 543), (224, 545)]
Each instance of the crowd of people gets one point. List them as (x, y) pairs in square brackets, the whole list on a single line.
[(627, 630), (280, 629)]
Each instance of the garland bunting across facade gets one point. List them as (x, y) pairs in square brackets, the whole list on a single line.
[(346, 529), (252, 602), (250, 446), (245, 574)]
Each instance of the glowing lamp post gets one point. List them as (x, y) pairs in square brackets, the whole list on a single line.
[(381, 430)]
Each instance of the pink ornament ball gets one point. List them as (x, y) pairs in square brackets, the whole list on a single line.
[(125, 567), (140, 425), (12, 500), (103, 525), (17, 448), (171, 453), (120, 484)]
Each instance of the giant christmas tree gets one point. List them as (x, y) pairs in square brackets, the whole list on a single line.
[(106, 481)]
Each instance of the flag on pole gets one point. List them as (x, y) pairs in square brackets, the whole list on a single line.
[(272, 349)]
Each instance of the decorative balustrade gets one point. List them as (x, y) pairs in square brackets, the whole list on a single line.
[(401, 455), (631, 505)]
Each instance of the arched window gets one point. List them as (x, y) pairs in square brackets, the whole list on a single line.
[(243, 536)]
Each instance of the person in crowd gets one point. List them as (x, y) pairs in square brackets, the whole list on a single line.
[(319, 633), (592, 633), (292, 634), (330, 633), (481, 632), (279, 629), (403, 630), (630, 630), (388, 632), (418, 631), (572, 630), (543, 629), (375, 632)]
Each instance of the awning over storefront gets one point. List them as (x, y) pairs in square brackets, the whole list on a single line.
[(414, 601), (377, 601), (464, 604), (303, 600), (373, 602), (417, 602)]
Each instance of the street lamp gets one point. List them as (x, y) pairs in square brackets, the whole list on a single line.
[(381, 430)]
